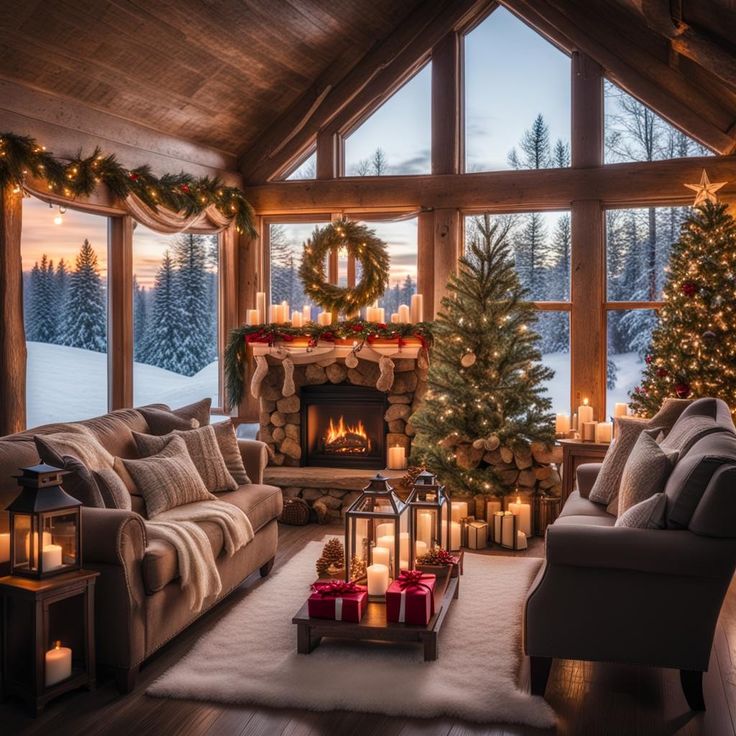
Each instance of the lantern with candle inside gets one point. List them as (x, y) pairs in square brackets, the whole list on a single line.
[(430, 515), (44, 525), (377, 530)]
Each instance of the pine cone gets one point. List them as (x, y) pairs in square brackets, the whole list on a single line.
[(411, 475), (334, 552), (322, 566)]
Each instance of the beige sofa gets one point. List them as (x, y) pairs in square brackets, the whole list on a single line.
[(139, 603)]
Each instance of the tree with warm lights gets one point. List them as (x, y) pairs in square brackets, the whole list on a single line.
[(486, 392), (693, 347)]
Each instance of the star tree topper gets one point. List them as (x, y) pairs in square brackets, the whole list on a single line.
[(706, 191)]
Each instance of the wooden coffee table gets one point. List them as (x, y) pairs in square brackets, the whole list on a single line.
[(374, 625)]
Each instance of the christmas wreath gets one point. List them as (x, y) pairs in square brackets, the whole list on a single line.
[(361, 243)]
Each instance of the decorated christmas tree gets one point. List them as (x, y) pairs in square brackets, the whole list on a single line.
[(486, 409), (693, 347)]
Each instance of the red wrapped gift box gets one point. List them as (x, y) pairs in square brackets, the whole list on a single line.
[(410, 598), (338, 601)]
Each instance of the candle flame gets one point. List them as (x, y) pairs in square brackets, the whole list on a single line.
[(585, 402), (57, 645), (518, 499)]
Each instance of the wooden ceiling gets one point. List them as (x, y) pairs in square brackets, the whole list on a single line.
[(216, 72)]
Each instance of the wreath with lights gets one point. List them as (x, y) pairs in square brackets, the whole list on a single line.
[(361, 243)]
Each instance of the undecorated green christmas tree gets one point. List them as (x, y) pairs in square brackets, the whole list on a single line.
[(486, 402), (693, 347)]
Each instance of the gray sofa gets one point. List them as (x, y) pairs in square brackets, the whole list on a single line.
[(643, 596), (139, 602)]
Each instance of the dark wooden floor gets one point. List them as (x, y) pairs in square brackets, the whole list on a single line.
[(589, 699)]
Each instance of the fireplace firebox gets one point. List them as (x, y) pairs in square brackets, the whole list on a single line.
[(343, 426)]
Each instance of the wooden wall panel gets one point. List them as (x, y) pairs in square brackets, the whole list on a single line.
[(447, 248), (425, 261), (447, 106), (586, 133)]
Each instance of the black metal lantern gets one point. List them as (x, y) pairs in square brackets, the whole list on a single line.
[(378, 519), (430, 514), (45, 525)]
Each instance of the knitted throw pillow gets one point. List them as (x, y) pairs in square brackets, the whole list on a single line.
[(112, 489), (227, 441), (168, 479), (647, 514), (203, 449), (162, 422)]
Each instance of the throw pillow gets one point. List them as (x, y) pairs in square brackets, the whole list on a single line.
[(606, 485), (647, 514), (227, 441), (199, 410), (80, 482), (646, 471), (161, 421), (167, 479), (122, 472), (82, 445), (203, 449), (112, 489)]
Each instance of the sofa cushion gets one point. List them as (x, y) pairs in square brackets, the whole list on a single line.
[(647, 514), (581, 520), (693, 473), (646, 471), (701, 418), (112, 489), (717, 509), (261, 503), (227, 441), (576, 505), (162, 421)]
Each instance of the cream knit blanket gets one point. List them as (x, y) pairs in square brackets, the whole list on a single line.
[(200, 578)]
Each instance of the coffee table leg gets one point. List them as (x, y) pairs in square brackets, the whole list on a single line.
[(430, 647), (305, 642)]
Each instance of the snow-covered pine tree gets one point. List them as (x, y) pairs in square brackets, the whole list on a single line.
[(486, 380), (555, 326), (534, 147), (42, 319), (61, 284), (140, 315), (408, 289), (85, 317), (195, 348), (163, 333), (531, 254)]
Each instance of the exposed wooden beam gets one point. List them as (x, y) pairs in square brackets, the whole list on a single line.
[(327, 155), (599, 30), (656, 182), (587, 111), (447, 250), (425, 261), (382, 69), (447, 105)]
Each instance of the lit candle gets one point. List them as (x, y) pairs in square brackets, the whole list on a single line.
[(507, 530), (394, 318), (274, 314), (381, 556), (524, 512), (261, 306), (498, 517), (585, 413), (388, 542), (380, 315), (396, 458), (285, 311), (45, 541), (296, 319), (306, 313), (424, 526), (521, 542), (417, 308), (252, 317), (404, 314), (492, 507), (404, 546), (620, 409), (324, 318), (454, 535), (52, 557), (603, 432), (386, 529), (58, 664), (588, 431), (377, 579), (421, 548), (459, 510), (562, 423), (4, 547)]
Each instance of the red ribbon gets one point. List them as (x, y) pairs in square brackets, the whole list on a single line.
[(412, 579), (337, 588)]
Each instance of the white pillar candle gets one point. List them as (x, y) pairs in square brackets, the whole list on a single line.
[(420, 548), (459, 510), (394, 318), (507, 530), (380, 315), (454, 535), (396, 458), (306, 313), (377, 579), (588, 431), (424, 527), (252, 317), (575, 422), (404, 314), (58, 664), (385, 529), (369, 314), (52, 557), (381, 556), (404, 545), (4, 547), (388, 542), (285, 311), (521, 542), (324, 318), (498, 526), (491, 508), (45, 541), (261, 306), (562, 423), (274, 314), (524, 512), (417, 308), (620, 409), (603, 432), (296, 319), (585, 413)]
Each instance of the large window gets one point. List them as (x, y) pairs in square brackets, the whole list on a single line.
[(517, 98), (395, 139), (65, 309), (307, 169), (540, 246), (175, 312)]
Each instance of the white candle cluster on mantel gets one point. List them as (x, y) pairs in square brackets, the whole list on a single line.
[(583, 426)]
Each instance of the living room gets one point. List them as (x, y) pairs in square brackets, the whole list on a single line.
[(368, 367)]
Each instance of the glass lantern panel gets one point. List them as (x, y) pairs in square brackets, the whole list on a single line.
[(22, 541), (62, 529)]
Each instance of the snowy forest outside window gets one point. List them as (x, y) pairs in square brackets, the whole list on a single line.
[(175, 317), (65, 312), (540, 246), (503, 56)]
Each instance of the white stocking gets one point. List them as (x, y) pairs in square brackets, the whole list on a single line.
[(288, 389), (386, 379), (351, 359), (258, 375)]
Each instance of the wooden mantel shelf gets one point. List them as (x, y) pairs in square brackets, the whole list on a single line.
[(341, 479)]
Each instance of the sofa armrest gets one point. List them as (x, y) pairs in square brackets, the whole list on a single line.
[(255, 458), (662, 552), (112, 536), (585, 475)]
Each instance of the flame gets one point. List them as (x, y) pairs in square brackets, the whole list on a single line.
[(337, 431)]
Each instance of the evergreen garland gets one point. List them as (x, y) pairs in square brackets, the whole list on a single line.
[(22, 155)]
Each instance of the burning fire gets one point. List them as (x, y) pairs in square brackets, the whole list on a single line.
[(346, 438)]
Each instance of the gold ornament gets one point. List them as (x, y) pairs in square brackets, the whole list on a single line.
[(705, 191), (468, 359), (358, 569)]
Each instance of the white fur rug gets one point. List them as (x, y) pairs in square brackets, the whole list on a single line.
[(250, 657)]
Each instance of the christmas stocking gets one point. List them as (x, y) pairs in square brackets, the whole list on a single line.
[(288, 389), (423, 359), (258, 375), (386, 379), (351, 359)]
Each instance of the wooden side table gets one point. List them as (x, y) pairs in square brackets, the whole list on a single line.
[(37, 613), (574, 453)]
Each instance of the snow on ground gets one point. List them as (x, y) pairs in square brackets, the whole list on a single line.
[(66, 384)]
